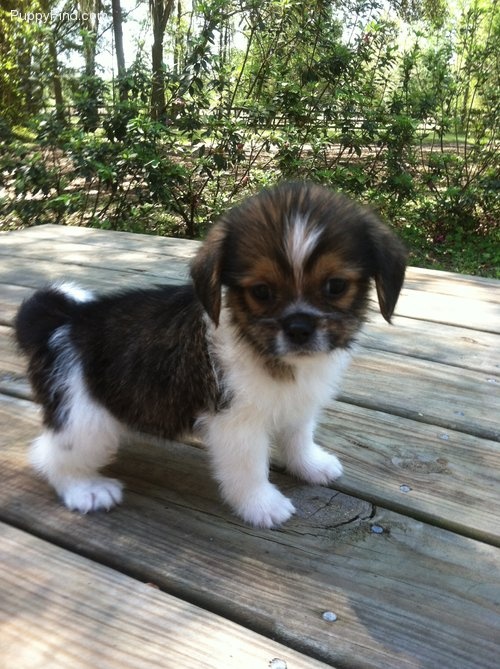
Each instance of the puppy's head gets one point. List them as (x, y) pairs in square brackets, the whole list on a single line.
[(297, 261)]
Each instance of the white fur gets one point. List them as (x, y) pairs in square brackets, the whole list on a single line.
[(70, 458), (262, 408), (75, 292), (300, 243)]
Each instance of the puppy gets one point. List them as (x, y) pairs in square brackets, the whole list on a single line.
[(246, 354)]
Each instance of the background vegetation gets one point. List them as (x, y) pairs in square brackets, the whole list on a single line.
[(394, 102)]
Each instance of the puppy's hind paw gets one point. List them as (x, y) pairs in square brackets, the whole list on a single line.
[(264, 507), (85, 495)]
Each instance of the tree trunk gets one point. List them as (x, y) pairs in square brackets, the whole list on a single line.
[(56, 80), (120, 53), (178, 40), (54, 65), (160, 13), (89, 20)]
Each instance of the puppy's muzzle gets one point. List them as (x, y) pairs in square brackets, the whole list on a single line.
[(299, 328)]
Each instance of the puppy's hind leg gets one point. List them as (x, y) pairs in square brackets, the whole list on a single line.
[(71, 467), (71, 456)]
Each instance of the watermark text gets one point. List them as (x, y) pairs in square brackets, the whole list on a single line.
[(52, 16)]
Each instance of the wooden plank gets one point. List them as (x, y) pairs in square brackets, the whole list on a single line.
[(33, 274), (86, 255), (60, 610), (10, 299), (92, 256), (427, 392), (408, 594), (10, 359), (434, 342), (410, 388), (108, 239), (12, 367), (446, 478), (451, 283), (471, 303), (421, 279), (475, 313), (454, 477)]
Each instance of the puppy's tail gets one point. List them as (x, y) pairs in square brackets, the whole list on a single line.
[(44, 312)]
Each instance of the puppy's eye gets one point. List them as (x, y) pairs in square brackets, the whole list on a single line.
[(261, 292), (335, 287)]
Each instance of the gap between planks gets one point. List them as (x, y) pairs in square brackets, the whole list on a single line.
[(421, 297), (172, 530), (62, 610), (453, 483)]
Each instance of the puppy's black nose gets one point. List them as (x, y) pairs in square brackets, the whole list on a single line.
[(299, 328)]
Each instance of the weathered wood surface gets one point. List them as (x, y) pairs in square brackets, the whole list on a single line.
[(102, 259), (107, 620), (412, 596), (378, 457), (419, 409)]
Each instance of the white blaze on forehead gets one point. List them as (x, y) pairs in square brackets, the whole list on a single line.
[(300, 242)]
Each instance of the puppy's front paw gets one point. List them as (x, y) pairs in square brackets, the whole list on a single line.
[(85, 495), (317, 466), (264, 506)]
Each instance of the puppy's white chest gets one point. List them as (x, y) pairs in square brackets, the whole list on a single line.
[(254, 391), (316, 381)]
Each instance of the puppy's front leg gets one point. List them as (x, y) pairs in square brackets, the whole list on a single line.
[(303, 457), (239, 448)]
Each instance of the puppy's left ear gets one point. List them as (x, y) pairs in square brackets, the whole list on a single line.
[(206, 270), (390, 257)]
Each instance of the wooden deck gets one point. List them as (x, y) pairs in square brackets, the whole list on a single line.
[(404, 550)]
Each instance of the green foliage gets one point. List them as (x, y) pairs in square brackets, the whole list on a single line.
[(89, 95), (318, 90), (20, 91)]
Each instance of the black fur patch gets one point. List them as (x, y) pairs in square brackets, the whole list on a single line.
[(143, 355)]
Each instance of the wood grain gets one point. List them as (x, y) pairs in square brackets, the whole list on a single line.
[(453, 478), (465, 301), (434, 342), (404, 550), (454, 399), (62, 611), (411, 596)]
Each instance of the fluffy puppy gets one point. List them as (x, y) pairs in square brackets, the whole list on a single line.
[(246, 354)]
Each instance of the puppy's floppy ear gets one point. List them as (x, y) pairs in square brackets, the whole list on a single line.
[(206, 270), (389, 266)]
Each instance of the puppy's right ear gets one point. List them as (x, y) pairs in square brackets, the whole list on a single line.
[(206, 270), (389, 255)]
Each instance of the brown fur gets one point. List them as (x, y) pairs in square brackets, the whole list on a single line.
[(251, 245)]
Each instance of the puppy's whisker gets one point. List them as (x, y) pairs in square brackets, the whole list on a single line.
[(338, 316)]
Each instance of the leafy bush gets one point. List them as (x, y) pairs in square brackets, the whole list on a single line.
[(318, 90)]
